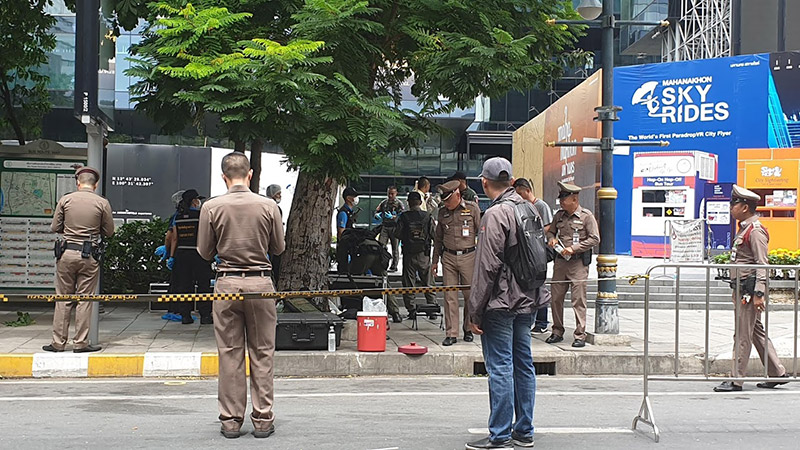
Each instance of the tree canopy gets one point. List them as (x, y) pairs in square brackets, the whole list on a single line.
[(27, 38), (322, 79)]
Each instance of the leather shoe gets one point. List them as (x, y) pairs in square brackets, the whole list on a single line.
[(50, 348), (727, 386), (468, 337), (773, 384), (88, 349), (261, 434), (488, 443), (448, 341), (230, 434), (554, 338), (206, 320), (578, 343), (186, 320), (396, 318)]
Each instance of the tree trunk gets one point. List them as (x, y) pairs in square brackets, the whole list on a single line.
[(255, 163), (239, 146), (10, 113), (305, 263)]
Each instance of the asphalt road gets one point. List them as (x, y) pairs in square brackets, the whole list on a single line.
[(390, 413)]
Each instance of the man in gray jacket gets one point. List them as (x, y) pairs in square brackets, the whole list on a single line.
[(502, 315)]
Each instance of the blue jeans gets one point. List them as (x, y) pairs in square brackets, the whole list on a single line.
[(541, 318), (506, 341)]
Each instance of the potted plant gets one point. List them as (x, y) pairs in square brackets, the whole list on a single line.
[(722, 258)]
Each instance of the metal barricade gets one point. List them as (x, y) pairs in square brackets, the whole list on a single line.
[(645, 415)]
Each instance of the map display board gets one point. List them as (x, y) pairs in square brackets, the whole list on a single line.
[(29, 192)]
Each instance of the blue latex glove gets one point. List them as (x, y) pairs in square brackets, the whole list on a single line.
[(170, 263), (387, 215), (217, 260), (161, 252)]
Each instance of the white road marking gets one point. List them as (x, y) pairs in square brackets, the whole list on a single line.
[(387, 394), (564, 430), (542, 380)]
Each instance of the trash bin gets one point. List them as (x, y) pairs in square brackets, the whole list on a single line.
[(372, 331)]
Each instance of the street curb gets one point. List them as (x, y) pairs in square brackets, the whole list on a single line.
[(340, 364)]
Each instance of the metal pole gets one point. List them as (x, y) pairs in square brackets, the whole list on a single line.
[(607, 304), (781, 25), (94, 150)]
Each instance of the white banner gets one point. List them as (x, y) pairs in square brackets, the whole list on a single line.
[(686, 240)]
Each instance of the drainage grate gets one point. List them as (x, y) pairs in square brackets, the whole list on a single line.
[(542, 368)]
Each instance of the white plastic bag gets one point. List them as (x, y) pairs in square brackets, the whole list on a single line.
[(373, 305)]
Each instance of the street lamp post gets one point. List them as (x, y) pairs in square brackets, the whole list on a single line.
[(607, 303)]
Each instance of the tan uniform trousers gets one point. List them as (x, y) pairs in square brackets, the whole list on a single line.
[(564, 270), (238, 325), (74, 275), (456, 269), (751, 332)]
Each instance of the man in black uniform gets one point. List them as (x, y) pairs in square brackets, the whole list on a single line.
[(416, 229), (190, 268)]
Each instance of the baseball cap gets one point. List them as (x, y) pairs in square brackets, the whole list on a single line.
[(459, 176), (496, 169), (349, 191), (191, 194)]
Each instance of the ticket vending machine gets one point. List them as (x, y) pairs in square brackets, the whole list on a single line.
[(720, 225), (666, 186)]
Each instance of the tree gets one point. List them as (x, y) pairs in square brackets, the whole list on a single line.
[(26, 41), (177, 29), (334, 107)]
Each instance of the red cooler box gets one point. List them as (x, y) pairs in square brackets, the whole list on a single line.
[(372, 331)]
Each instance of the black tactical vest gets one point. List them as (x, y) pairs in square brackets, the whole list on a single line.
[(186, 229)]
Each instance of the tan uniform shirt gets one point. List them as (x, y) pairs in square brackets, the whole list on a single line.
[(564, 226), (753, 250), (241, 227), (457, 229), (82, 214)]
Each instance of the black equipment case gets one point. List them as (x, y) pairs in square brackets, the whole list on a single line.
[(306, 331)]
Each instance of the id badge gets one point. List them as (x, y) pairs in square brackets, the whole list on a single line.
[(465, 231)]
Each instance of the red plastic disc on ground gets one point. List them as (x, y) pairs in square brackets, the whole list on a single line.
[(413, 349)]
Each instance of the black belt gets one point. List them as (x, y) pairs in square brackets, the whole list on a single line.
[(257, 273), (461, 252), (73, 246)]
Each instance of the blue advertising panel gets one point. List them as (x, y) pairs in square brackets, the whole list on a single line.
[(715, 106), (717, 197)]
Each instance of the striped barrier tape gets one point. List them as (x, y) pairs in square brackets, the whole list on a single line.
[(133, 298)]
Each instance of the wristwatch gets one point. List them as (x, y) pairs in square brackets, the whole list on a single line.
[(759, 293)]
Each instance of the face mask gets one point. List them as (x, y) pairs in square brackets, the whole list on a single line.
[(355, 201), (277, 200)]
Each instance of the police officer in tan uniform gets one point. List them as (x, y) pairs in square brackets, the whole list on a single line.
[(572, 234), (750, 247), (241, 228), (455, 243), (83, 218)]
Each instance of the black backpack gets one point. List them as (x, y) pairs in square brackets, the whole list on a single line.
[(527, 259)]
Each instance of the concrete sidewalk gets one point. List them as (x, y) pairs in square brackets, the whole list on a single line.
[(137, 342)]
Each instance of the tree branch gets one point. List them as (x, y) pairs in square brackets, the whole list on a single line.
[(9, 106)]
